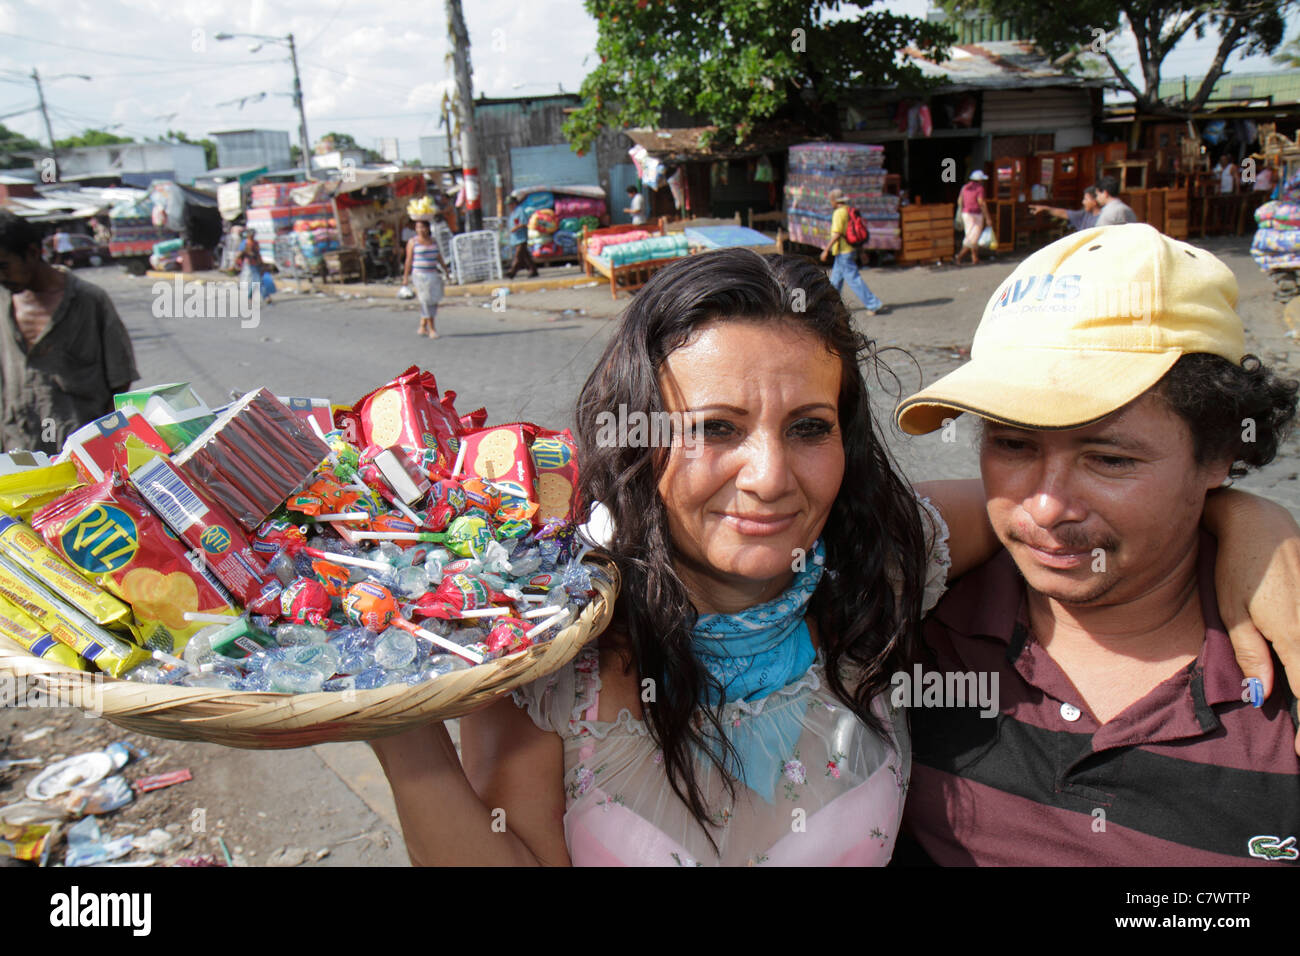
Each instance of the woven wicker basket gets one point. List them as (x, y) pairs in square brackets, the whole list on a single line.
[(267, 721)]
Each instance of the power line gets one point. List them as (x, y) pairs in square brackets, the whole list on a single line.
[(317, 35), (128, 56)]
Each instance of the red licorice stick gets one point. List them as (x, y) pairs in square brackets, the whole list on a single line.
[(304, 448), (276, 473), (261, 486), (202, 467)]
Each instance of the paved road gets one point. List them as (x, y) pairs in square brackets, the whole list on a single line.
[(529, 362)]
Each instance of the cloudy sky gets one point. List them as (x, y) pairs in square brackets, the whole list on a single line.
[(372, 69)]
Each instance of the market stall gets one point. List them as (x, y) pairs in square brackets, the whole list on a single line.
[(557, 217)]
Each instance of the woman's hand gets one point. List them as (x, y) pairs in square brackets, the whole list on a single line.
[(1257, 577), (443, 820)]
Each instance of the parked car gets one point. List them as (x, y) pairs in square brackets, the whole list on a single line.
[(85, 252)]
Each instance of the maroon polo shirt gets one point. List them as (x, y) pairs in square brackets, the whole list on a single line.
[(1190, 775)]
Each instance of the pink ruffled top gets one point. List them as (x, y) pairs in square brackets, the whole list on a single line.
[(838, 801)]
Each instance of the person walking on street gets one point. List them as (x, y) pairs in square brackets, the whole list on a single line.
[(1079, 219), (845, 268), (517, 223), (249, 262), (424, 268), (1114, 211), (637, 209), (64, 351), (974, 216)]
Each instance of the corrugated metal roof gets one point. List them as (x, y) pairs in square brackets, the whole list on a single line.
[(1006, 64), (1283, 87)]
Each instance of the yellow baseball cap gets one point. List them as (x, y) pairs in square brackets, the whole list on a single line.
[(1083, 327)]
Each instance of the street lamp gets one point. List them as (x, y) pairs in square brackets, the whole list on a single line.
[(297, 86)]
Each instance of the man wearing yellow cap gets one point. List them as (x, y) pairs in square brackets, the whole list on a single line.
[(1113, 396)]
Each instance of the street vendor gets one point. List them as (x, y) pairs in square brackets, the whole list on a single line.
[(424, 267), (775, 570), (64, 351)]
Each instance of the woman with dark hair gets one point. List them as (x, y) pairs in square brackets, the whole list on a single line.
[(775, 571)]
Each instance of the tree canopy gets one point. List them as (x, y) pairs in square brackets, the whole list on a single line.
[(92, 137), (1241, 26), (11, 143), (735, 63)]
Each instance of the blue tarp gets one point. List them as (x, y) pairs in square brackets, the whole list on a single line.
[(726, 237)]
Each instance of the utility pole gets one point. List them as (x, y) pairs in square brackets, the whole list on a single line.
[(40, 95), (302, 116), (465, 111)]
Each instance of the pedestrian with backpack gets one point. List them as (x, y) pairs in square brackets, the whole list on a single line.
[(848, 229)]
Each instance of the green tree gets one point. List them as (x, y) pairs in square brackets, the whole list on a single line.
[(735, 63), (1242, 26), (92, 137), (11, 143), (209, 147), (1289, 55)]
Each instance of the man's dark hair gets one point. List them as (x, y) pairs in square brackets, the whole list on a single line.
[(632, 190), (1108, 184), (1090, 191), (1239, 411), (17, 235)]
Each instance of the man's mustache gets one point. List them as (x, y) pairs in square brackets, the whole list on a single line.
[(1066, 539)]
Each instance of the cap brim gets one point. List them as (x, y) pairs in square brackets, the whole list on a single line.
[(1037, 388)]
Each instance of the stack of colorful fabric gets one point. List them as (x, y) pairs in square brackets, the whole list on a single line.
[(642, 250), (597, 244), (1276, 246), (577, 206), (814, 169)]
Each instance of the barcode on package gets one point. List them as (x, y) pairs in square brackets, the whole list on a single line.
[(179, 506)]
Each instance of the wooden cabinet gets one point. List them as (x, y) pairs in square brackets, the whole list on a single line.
[(927, 233)]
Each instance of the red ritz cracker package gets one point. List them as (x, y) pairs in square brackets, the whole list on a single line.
[(500, 455), (92, 447), (407, 413), (108, 533), (212, 534), (555, 464)]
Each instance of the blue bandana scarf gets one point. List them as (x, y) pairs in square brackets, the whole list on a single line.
[(752, 654)]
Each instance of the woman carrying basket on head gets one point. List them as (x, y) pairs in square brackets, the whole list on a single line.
[(424, 269)]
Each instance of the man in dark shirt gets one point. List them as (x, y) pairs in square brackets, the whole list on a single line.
[(1110, 375), (64, 352)]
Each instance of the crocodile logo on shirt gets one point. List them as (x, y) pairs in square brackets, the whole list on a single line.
[(1273, 848)]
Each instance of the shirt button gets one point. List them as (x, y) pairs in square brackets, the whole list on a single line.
[(1070, 712)]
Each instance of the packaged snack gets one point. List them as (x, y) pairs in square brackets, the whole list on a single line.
[(27, 549), (66, 624), (24, 842), (25, 492), (17, 625), (175, 411), (92, 447), (500, 455), (108, 533), (406, 412), (212, 534), (13, 462), (555, 465), (253, 457), (507, 636)]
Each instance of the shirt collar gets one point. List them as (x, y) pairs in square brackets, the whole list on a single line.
[(992, 601)]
